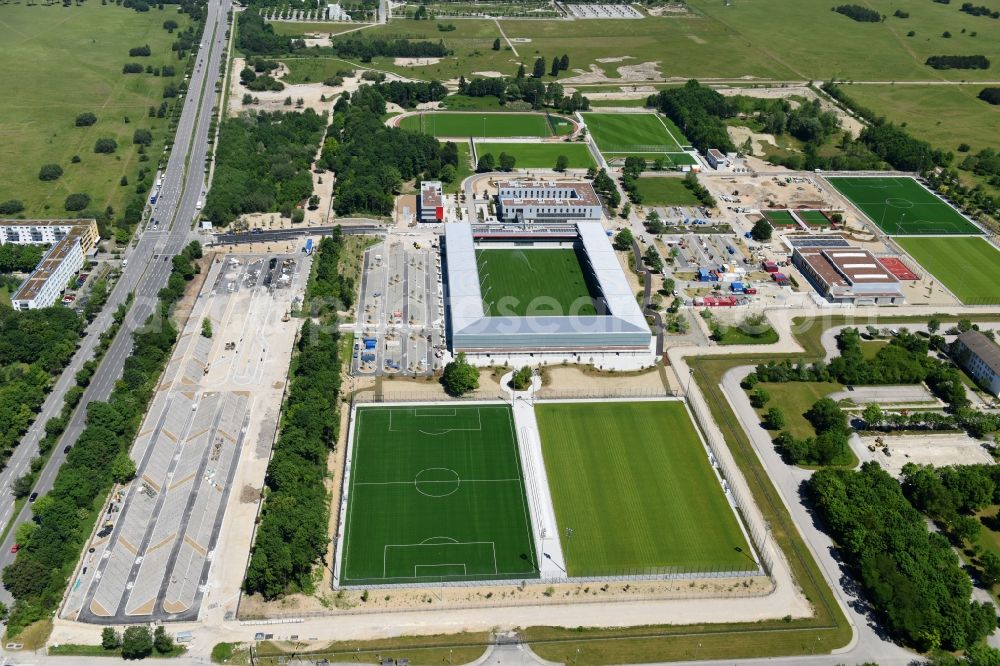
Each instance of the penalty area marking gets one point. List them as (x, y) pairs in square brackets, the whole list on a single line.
[(449, 542)]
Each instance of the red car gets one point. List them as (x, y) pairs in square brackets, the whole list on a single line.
[(16, 547)]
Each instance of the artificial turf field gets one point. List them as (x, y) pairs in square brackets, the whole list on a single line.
[(436, 493), (634, 133), (901, 206), (543, 281), (539, 155), (813, 218), (633, 482), (779, 218), (488, 124), (968, 266)]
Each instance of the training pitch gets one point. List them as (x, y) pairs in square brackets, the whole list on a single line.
[(634, 492), (779, 218), (460, 124), (436, 493), (967, 266), (539, 155), (634, 133), (542, 281), (902, 206)]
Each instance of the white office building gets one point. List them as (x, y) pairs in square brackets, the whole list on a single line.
[(547, 202)]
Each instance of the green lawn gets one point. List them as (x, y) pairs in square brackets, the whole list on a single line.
[(813, 218), (633, 482), (779, 218), (314, 70), (900, 205), (968, 266), (487, 125), (537, 282), (436, 493), (794, 399), (662, 191), (540, 155), (633, 132), (57, 62)]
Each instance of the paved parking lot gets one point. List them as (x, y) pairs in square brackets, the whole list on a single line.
[(401, 310), (152, 554)]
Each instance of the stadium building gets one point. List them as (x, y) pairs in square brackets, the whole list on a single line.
[(848, 275), (71, 240), (608, 329), (547, 202)]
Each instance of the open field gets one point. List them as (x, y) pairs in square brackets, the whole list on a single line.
[(634, 484), (533, 281), (633, 132), (967, 266), (902, 206), (944, 116), (436, 493), (486, 125), (794, 399), (314, 70), (540, 155), (660, 191), (57, 62)]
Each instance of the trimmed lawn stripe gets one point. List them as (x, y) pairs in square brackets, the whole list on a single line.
[(901, 205), (540, 281), (436, 493), (968, 266), (633, 482)]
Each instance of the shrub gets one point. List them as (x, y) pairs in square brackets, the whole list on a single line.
[(105, 146), (50, 172), (77, 201), (85, 119), (11, 206), (132, 68)]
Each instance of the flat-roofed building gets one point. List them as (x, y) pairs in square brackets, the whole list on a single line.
[(848, 275), (716, 158), (71, 240), (980, 356), (547, 202), (430, 203)]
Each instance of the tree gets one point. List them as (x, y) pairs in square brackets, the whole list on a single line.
[(460, 376), (206, 328), (11, 206), (507, 162), (170, 25), (142, 137), (85, 119), (761, 231), (105, 146), (486, 163), (110, 640), (298, 215), (564, 62), (162, 641), (774, 419), (496, 44), (521, 379), (50, 172), (759, 398), (933, 325), (653, 260), (623, 240), (989, 565), (562, 163), (873, 415), (76, 201), (554, 71), (538, 71), (520, 72), (137, 642), (123, 468)]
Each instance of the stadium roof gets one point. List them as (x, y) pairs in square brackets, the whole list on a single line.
[(468, 317)]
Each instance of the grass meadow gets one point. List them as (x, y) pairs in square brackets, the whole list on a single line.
[(488, 125), (540, 155), (57, 62), (664, 191)]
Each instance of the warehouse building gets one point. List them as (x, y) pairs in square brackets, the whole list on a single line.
[(547, 202), (848, 275), (72, 241), (619, 330), (980, 356), (430, 203)]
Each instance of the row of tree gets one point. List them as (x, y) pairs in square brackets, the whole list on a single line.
[(292, 535), (64, 517), (911, 576), (409, 94), (262, 163), (19, 258), (958, 62), (330, 290), (529, 90), (859, 13)]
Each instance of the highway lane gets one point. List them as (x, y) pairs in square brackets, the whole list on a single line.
[(146, 273)]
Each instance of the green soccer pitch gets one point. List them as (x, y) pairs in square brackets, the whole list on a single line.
[(491, 124), (633, 483), (634, 133), (544, 281), (902, 206), (436, 493), (966, 265)]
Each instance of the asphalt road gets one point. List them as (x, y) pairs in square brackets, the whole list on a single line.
[(147, 271)]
